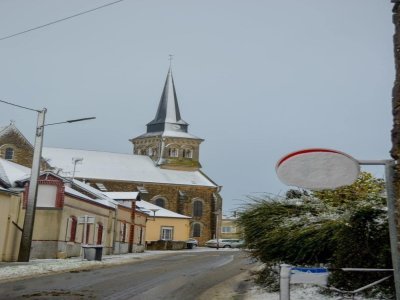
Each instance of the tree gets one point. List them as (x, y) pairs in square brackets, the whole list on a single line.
[(346, 227)]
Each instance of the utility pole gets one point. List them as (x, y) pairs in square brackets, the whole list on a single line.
[(27, 231), (395, 151)]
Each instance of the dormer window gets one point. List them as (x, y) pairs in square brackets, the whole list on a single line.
[(9, 155), (173, 152), (188, 153)]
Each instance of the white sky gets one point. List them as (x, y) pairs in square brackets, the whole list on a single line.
[(255, 79)]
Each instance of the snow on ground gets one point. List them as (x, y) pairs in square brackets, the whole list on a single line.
[(18, 270), (35, 267)]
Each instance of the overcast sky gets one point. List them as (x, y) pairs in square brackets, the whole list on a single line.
[(255, 79)]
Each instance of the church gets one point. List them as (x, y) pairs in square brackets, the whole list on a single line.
[(164, 166)]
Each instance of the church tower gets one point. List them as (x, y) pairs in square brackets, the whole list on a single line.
[(167, 140)]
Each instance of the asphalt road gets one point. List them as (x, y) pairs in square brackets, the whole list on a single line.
[(178, 276)]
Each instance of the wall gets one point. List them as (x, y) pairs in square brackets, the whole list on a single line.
[(10, 236), (175, 202), (180, 232)]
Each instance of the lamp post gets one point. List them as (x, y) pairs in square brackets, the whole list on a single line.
[(154, 210), (217, 213), (27, 230)]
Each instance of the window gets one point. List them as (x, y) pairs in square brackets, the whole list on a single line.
[(228, 229), (46, 195), (196, 230), (149, 152), (167, 233), (72, 232), (87, 233), (197, 208), (9, 155), (187, 153), (160, 202), (173, 152), (123, 232), (99, 233)]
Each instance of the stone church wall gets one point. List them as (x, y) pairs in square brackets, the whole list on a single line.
[(172, 195)]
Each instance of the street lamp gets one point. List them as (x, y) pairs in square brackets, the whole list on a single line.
[(154, 210), (27, 230), (217, 213)]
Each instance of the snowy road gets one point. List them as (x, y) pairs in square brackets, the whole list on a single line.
[(178, 276)]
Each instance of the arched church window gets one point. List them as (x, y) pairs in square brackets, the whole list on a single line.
[(196, 230), (9, 155), (160, 202), (187, 153), (197, 208), (173, 152)]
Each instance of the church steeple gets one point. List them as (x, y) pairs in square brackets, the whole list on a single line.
[(167, 140), (168, 116)]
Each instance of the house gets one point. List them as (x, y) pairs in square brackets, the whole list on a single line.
[(164, 166), (163, 224), (68, 215), (229, 228)]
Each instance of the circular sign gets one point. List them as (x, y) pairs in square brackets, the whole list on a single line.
[(318, 169)]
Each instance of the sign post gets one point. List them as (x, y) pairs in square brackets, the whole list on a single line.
[(319, 169)]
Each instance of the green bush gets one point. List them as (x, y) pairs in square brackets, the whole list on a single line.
[(346, 227)]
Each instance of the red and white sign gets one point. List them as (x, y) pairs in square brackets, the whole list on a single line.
[(318, 169)]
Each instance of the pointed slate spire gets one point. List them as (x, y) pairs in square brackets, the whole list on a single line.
[(168, 116)]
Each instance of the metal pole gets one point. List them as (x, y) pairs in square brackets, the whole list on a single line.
[(26, 239), (284, 282), (391, 203), (216, 229)]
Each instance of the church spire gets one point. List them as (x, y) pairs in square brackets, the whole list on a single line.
[(168, 117)]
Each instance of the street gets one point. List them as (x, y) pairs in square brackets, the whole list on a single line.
[(178, 276)]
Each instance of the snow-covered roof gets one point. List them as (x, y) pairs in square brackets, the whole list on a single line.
[(170, 133), (72, 192), (122, 167), (11, 172), (100, 198), (147, 207), (122, 195), (11, 127), (5, 190)]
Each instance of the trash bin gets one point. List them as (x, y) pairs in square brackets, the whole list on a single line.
[(189, 245), (92, 252)]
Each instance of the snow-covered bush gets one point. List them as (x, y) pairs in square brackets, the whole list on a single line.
[(346, 227)]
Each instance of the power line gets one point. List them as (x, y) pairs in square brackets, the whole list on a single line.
[(20, 106), (60, 20)]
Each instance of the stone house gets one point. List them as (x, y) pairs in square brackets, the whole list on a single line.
[(164, 166)]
